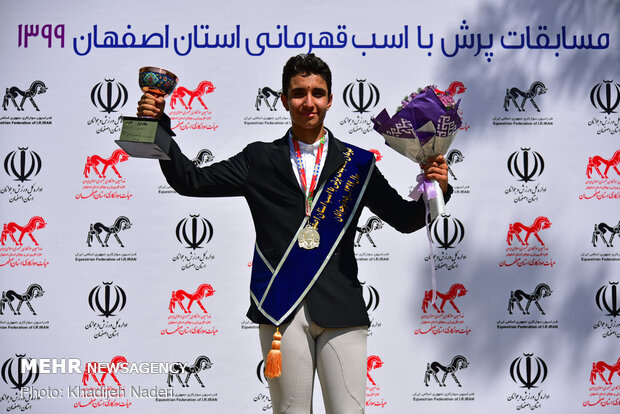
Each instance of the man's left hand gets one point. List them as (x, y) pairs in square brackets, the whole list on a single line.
[(436, 168)]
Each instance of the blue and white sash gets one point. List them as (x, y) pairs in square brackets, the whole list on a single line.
[(277, 292)]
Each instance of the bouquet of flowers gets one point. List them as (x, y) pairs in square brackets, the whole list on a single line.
[(424, 126)]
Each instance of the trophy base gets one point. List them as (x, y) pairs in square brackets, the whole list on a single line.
[(144, 138)]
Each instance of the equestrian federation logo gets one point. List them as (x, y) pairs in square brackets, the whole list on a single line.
[(269, 96), (537, 88), (37, 87), (33, 291), (266, 106), (121, 223), (16, 374), (432, 369), (202, 363), (373, 223), (107, 299), (601, 229), (94, 239), (453, 156), (203, 157), (365, 246), (184, 372), (22, 165), (606, 96), (109, 96), (516, 296)]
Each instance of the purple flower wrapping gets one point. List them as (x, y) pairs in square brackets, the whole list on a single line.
[(423, 128)]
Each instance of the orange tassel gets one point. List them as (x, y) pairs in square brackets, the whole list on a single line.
[(273, 366)]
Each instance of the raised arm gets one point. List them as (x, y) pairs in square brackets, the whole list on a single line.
[(222, 179), (225, 178), (405, 216)]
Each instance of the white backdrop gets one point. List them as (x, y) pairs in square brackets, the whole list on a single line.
[(514, 166)]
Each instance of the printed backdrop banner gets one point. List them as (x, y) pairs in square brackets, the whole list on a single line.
[(119, 293)]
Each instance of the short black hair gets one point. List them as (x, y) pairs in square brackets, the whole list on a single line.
[(305, 65)]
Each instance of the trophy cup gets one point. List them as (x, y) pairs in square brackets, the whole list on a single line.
[(143, 137)]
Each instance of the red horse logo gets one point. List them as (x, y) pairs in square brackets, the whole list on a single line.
[(92, 368), (515, 229), (9, 229), (455, 88), (94, 160), (455, 291), (372, 362), (203, 291), (180, 92), (600, 366), (596, 161)]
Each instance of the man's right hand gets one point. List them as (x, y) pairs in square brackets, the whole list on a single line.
[(151, 105)]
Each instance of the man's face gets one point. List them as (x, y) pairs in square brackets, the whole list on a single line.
[(307, 101)]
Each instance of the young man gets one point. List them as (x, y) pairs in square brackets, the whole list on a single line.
[(305, 191)]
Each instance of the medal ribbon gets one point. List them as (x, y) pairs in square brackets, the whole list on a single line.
[(308, 191)]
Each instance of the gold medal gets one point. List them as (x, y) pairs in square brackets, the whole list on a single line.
[(308, 238)]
